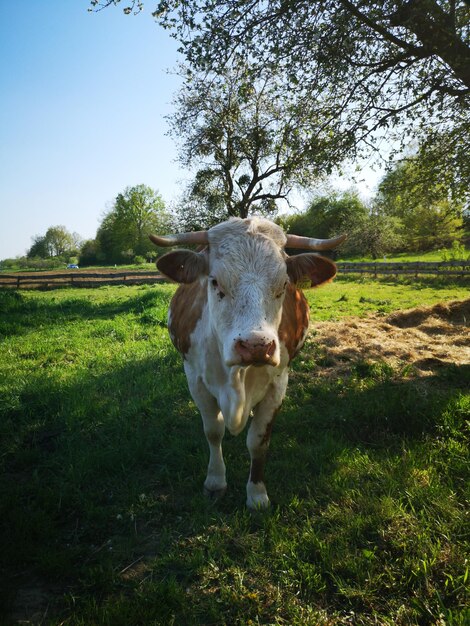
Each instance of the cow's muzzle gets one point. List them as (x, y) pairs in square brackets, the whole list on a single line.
[(256, 352)]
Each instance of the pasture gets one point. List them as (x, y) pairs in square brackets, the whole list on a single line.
[(103, 457)]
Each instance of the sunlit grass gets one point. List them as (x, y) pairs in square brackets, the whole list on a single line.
[(411, 257), (103, 458), (346, 296)]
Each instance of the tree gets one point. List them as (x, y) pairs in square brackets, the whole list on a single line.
[(394, 68), (371, 67), (327, 215), (369, 233), (375, 235), (60, 241), (195, 213), (55, 243), (90, 253), (431, 214), (39, 248), (250, 140), (123, 233)]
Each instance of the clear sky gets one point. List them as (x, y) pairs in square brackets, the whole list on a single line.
[(82, 104)]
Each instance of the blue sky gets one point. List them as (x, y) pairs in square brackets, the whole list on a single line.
[(83, 99), (82, 103)]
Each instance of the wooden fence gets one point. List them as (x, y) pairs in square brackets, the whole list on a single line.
[(417, 268), (74, 278)]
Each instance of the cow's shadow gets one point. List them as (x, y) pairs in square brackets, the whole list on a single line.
[(110, 468)]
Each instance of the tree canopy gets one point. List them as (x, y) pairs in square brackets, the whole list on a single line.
[(369, 232), (123, 233), (430, 214), (368, 68), (250, 139), (56, 242)]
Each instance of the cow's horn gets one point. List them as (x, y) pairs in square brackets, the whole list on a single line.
[(294, 241), (198, 238)]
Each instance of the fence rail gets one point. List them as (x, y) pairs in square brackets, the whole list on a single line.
[(71, 278), (413, 268)]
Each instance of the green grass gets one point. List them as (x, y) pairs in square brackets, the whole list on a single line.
[(103, 458), (430, 256), (346, 296)]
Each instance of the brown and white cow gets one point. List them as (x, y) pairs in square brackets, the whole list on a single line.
[(238, 318)]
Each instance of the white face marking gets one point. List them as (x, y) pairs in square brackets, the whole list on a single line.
[(246, 285)]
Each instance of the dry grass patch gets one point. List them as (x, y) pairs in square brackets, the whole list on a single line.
[(425, 338)]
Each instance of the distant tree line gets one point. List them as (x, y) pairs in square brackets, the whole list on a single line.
[(409, 212), (121, 238), (406, 214)]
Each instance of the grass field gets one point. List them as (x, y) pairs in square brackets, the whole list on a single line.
[(103, 457), (430, 256)]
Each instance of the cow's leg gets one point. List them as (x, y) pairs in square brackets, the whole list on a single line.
[(259, 436), (215, 484)]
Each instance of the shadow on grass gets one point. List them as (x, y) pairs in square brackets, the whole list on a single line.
[(107, 470), (21, 314)]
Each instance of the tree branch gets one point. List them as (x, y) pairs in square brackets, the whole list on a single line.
[(378, 28), (431, 25)]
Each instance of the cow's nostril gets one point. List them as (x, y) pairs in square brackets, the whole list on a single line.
[(271, 348), (255, 351), (243, 348)]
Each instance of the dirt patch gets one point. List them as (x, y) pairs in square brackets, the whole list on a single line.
[(425, 338)]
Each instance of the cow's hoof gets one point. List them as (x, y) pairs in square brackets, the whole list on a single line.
[(259, 502), (214, 494)]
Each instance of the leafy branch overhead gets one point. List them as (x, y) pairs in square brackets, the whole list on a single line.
[(396, 67), (249, 138)]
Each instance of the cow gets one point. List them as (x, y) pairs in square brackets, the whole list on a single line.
[(238, 318)]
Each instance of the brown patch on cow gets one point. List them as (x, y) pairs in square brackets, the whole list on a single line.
[(294, 321), (186, 309), (258, 463), (310, 268), (257, 469), (266, 438)]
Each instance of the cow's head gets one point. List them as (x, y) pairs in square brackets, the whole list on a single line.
[(246, 271)]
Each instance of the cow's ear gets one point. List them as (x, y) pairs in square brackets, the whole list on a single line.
[(183, 266), (310, 268)]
